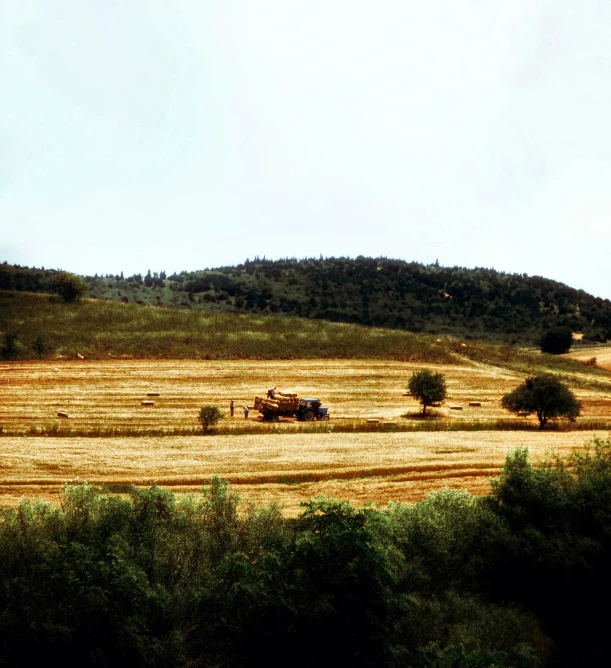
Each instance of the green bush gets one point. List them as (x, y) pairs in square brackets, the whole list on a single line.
[(209, 417), (10, 349), (41, 346)]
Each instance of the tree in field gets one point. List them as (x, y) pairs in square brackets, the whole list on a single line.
[(68, 286), (209, 416), (557, 340), (428, 387), (544, 395)]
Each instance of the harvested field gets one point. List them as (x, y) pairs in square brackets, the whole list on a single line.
[(287, 468), (109, 394), (284, 466), (601, 353)]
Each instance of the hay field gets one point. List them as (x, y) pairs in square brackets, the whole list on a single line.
[(283, 466), (286, 468), (109, 393), (602, 354)]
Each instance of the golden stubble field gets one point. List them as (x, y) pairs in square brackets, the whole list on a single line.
[(601, 353), (285, 467)]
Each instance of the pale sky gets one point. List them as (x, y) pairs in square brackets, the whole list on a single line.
[(184, 134)]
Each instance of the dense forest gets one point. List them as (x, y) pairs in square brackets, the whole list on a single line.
[(517, 578), (481, 303)]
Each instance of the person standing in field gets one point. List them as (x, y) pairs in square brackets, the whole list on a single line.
[(246, 412), (231, 407)]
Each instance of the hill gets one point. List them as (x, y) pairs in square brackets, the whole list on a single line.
[(40, 326), (470, 303)]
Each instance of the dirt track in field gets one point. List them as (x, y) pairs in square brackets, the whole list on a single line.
[(285, 467)]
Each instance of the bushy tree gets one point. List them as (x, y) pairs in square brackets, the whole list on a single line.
[(428, 387), (68, 286), (557, 340), (544, 395), (209, 416)]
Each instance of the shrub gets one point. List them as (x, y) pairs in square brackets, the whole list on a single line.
[(428, 387), (544, 395), (209, 416), (41, 345), (11, 346), (557, 340), (68, 286)]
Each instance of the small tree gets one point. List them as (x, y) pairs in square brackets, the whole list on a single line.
[(209, 416), (11, 346), (68, 286), (428, 387), (557, 340), (41, 345), (544, 395)]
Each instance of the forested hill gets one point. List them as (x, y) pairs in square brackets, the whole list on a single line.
[(389, 293)]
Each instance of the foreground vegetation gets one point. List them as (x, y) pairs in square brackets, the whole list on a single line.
[(379, 292), (516, 578)]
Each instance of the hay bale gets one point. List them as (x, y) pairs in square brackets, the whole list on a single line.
[(152, 394), (456, 408), (147, 403), (61, 414), (475, 403)]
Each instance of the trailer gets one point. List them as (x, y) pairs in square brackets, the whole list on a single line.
[(279, 404)]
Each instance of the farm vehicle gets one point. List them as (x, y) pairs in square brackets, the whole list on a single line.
[(279, 404)]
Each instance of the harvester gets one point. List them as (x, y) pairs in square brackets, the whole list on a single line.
[(281, 404)]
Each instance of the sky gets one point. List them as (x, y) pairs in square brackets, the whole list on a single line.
[(180, 134)]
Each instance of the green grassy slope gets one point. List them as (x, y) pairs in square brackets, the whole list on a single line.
[(98, 329), (42, 326)]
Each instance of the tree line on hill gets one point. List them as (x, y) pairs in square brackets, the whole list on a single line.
[(481, 303), (517, 578)]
